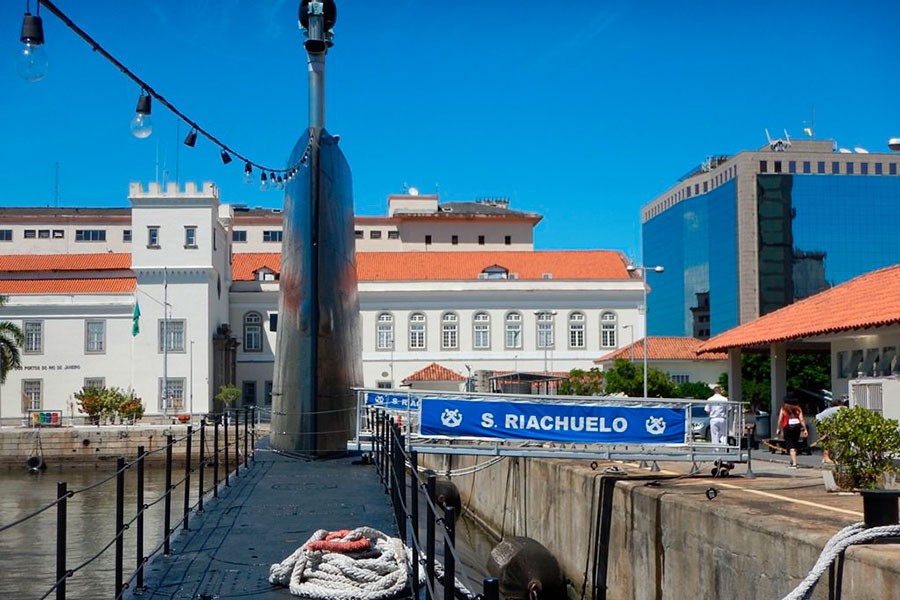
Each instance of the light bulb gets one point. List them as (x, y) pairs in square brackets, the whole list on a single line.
[(248, 173), (31, 61), (141, 124), (263, 183)]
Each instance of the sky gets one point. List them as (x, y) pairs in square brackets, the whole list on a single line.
[(581, 111)]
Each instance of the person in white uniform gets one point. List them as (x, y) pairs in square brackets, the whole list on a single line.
[(717, 409)]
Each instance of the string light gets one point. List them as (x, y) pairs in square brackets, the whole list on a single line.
[(141, 124), (31, 61), (34, 70), (263, 183), (248, 173)]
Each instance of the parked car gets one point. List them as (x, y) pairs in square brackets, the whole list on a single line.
[(699, 422)]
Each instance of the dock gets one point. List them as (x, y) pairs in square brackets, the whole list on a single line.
[(261, 518)]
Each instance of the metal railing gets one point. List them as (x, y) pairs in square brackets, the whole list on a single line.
[(391, 461), (243, 424)]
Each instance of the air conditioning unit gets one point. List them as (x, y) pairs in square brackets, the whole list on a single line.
[(878, 394)]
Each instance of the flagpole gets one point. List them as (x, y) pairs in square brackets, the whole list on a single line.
[(165, 382)]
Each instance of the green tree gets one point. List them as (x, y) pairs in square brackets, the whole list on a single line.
[(693, 389), (11, 340), (228, 395), (627, 378), (805, 370), (582, 383)]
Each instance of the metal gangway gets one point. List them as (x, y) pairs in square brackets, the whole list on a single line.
[(542, 426)]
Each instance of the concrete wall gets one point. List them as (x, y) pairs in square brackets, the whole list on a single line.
[(666, 542)]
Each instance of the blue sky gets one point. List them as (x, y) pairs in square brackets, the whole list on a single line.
[(582, 111)]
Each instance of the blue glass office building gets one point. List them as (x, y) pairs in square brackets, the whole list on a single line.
[(747, 234)]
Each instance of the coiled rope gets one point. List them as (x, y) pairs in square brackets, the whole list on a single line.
[(846, 537), (358, 564)]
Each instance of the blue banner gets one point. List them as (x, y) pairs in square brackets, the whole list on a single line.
[(581, 423), (392, 401)]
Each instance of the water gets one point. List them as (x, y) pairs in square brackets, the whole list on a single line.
[(28, 551)]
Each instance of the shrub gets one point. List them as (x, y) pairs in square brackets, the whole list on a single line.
[(862, 444), (130, 407), (228, 395), (92, 402)]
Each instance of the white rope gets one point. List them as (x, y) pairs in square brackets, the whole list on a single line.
[(846, 537), (369, 575)]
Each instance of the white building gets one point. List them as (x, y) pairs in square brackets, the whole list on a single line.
[(457, 284)]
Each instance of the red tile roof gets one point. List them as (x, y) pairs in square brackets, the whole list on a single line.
[(116, 285), (434, 372), (663, 348), (426, 266), (65, 262), (869, 300)]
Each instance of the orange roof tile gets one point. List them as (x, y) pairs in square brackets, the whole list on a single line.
[(434, 372), (117, 285), (424, 266), (65, 262), (869, 300), (244, 265), (663, 348)]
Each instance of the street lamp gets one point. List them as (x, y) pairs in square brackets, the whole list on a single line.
[(643, 270), (631, 346)]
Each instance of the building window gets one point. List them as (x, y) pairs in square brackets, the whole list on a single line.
[(248, 393), (89, 235), (878, 169), (126, 235), (34, 337), (678, 378), (253, 332), (449, 331), (481, 331), (375, 234), (763, 166), (454, 239), (892, 169), (239, 236), (384, 385), (427, 240), (792, 166), (273, 321), (358, 234), (94, 382), (777, 166), (384, 332), (173, 332), (545, 329), (507, 240), (608, 330), (32, 233), (849, 168), (5, 235), (820, 167), (417, 331), (835, 168), (94, 337), (267, 393), (393, 234), (863, 168), (481, 240), (513, 330), (807, 166), (272, 236), (43, 234), (153, 236), (31, 394), (576, 330), (173, 401), (190, 236)]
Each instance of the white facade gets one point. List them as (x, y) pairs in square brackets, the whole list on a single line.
[(177, 265)]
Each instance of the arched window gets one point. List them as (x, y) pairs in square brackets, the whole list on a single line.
[(608, 330), (576, 330), (545, 334), (384, 332), (252, 332), (513, 330), (449, 331), (481, 331), (417, 331)]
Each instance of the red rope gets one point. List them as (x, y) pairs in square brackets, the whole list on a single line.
[(333, 543)]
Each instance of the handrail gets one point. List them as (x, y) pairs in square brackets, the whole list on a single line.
[(245, 435)]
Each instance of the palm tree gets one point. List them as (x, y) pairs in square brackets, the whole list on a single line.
[(11, 339)]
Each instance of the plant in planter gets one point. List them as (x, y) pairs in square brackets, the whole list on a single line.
[(228, 395), (92, 402), (130, 409), (862, 444)]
